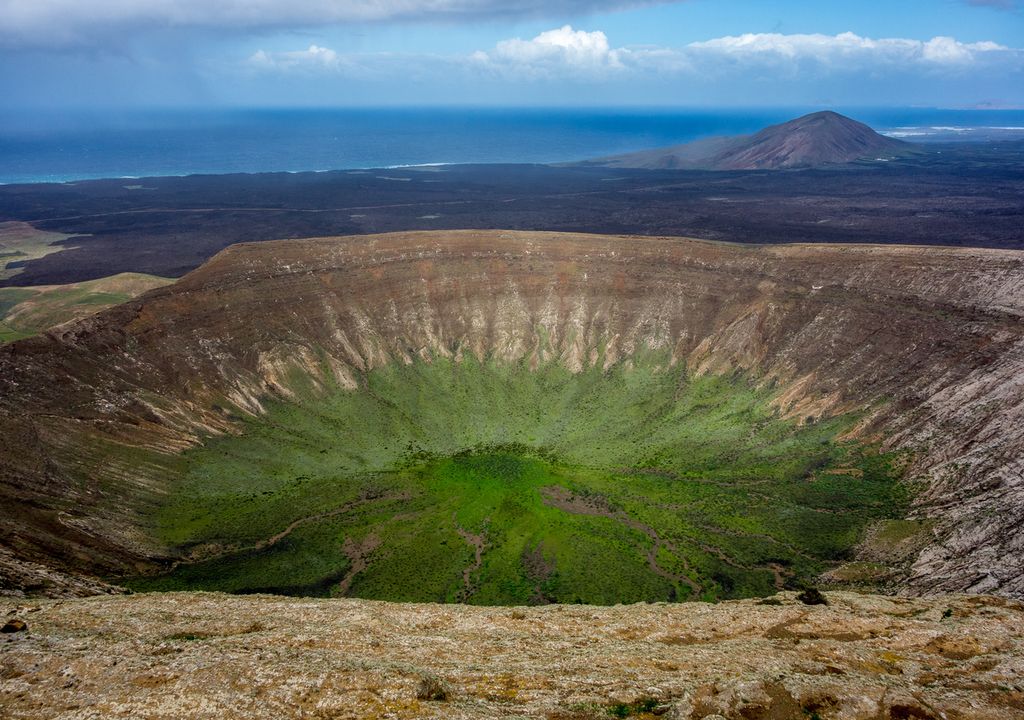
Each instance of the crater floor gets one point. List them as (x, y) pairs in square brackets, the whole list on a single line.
[(495, 484)]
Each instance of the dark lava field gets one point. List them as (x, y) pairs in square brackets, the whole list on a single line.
[(955, 194)]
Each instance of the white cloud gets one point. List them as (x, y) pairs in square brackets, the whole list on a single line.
[(555, 53), (312, 58), (846, 49)]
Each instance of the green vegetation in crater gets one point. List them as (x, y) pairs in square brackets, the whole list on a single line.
[(634, 484)]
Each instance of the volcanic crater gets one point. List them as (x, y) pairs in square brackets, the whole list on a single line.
[(523, 417)]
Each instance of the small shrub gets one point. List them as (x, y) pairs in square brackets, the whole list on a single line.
[(431, 688), (640, 707), (188, 636), (812, 596)]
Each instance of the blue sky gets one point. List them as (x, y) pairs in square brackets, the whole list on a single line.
[(944, 53)]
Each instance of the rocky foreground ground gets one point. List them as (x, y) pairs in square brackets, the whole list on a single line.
[(199, 655)]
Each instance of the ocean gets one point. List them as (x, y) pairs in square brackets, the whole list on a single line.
[(62, 147)]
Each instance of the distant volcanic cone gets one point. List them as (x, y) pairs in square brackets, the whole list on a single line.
[(821, 138)]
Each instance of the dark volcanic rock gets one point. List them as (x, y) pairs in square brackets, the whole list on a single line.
[(812, 596), (14, 626)]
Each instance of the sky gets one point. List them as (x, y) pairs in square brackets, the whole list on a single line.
[(350, 53)]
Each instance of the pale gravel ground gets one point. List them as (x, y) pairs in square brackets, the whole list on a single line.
[(202, 655)]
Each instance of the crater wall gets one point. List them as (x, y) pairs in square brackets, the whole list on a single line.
[(927, 342)]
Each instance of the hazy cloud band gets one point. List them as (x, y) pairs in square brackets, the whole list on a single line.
[(49, 23)]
